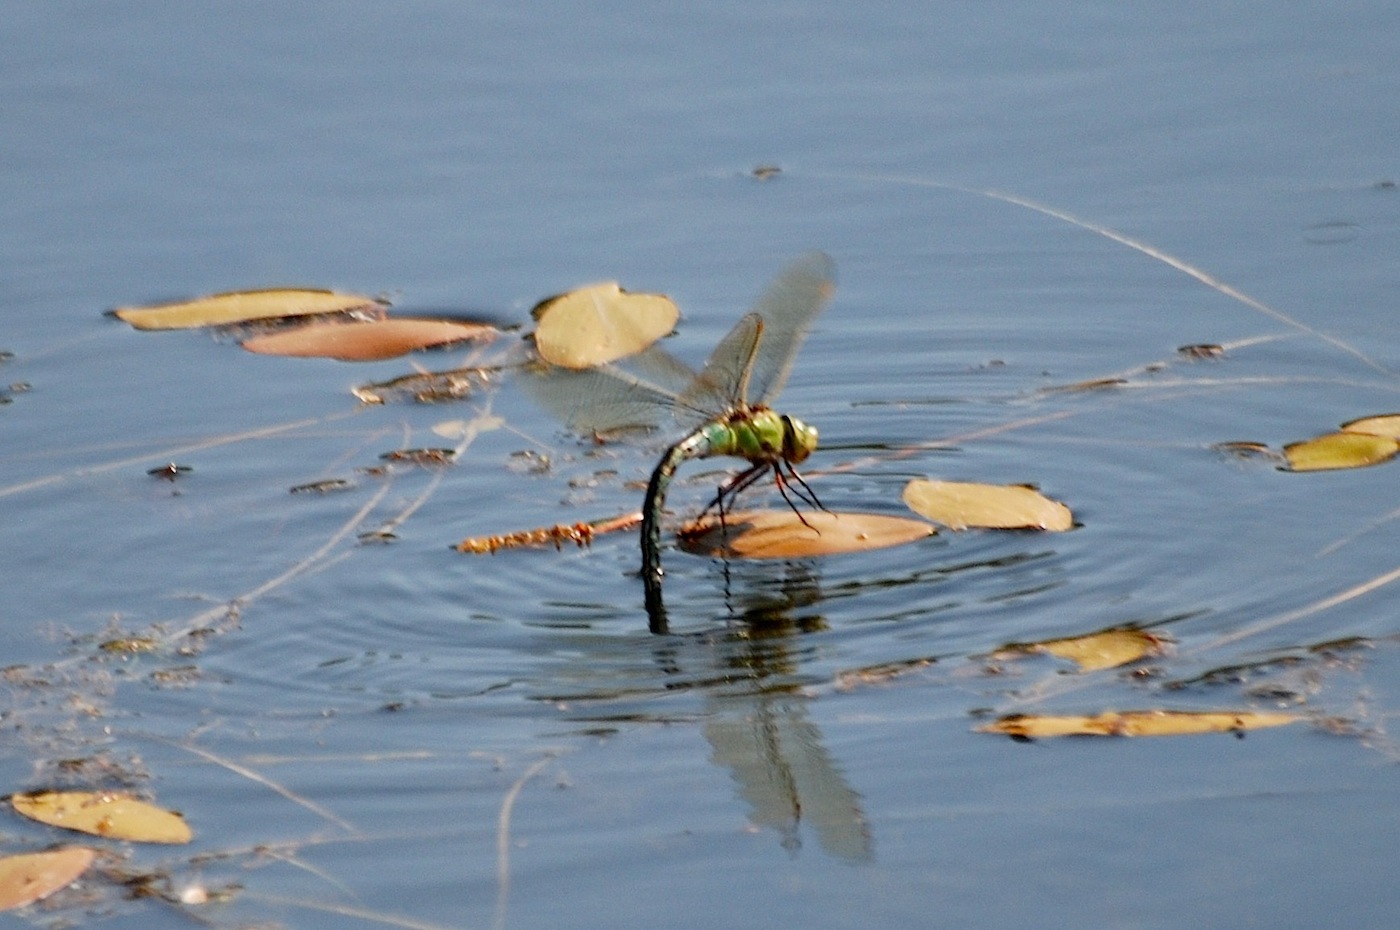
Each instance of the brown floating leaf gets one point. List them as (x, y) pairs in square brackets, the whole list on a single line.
[(102, 813), (960, 505), (1387, 424), (32, 877), (367, 340), (781, 534), (1105, 649), (1340, 450), (242, 306), (1135, 723), (600, 323)]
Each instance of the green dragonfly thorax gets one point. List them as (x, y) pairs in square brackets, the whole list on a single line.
[(758, 435)]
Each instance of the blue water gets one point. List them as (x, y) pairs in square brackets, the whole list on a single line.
[(363, 712)]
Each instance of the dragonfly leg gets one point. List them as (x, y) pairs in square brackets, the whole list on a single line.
[(804, 492), (809, 496), (732, 488)]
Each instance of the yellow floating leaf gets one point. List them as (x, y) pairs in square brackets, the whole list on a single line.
[(102, 813), (1387, 424), (241, 307), (781, 534), (34, 876), (600, 323), (1105, 649), (1340, 450), (367, 340), (1135, 723), (960, 505)]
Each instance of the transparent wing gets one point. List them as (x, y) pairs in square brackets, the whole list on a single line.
[(641, 393), (722, 384), (599, 400), (788, 307), (654, 389)]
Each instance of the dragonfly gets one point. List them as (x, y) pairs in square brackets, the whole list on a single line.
[(723, 409)]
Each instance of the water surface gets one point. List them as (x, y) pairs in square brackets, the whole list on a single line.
[(367, 717)]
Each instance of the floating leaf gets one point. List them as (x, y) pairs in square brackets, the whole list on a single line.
[(34, 876), (781, 534), (1340, 450), (1387, 424), (367, 340), (1105, 649), (1135, 723), (600, 323), (242, 306), (102, 813), (960, 505)]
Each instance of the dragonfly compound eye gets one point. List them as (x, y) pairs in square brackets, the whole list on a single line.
[(799, 439)]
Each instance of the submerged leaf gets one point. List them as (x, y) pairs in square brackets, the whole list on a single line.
[(427, 387), (110, 814), (367, 340), (1095, 651), (1387, 424), (960, 505), (1202, 350), (1135, 723), (600, 323), (242, 306), (1246, 450), (428, 458), (1340, 450), (32, 877), (781, 534)]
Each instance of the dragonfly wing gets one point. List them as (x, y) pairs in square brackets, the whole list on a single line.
[(723, 383), (788, 307), (600, 400)]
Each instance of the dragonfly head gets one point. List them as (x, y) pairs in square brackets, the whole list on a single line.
[(799, 439)]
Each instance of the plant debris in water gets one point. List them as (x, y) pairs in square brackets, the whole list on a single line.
[(427, 387), (428, 458), (1135, 723), (322, 487), (580, 534), (169, 471)]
